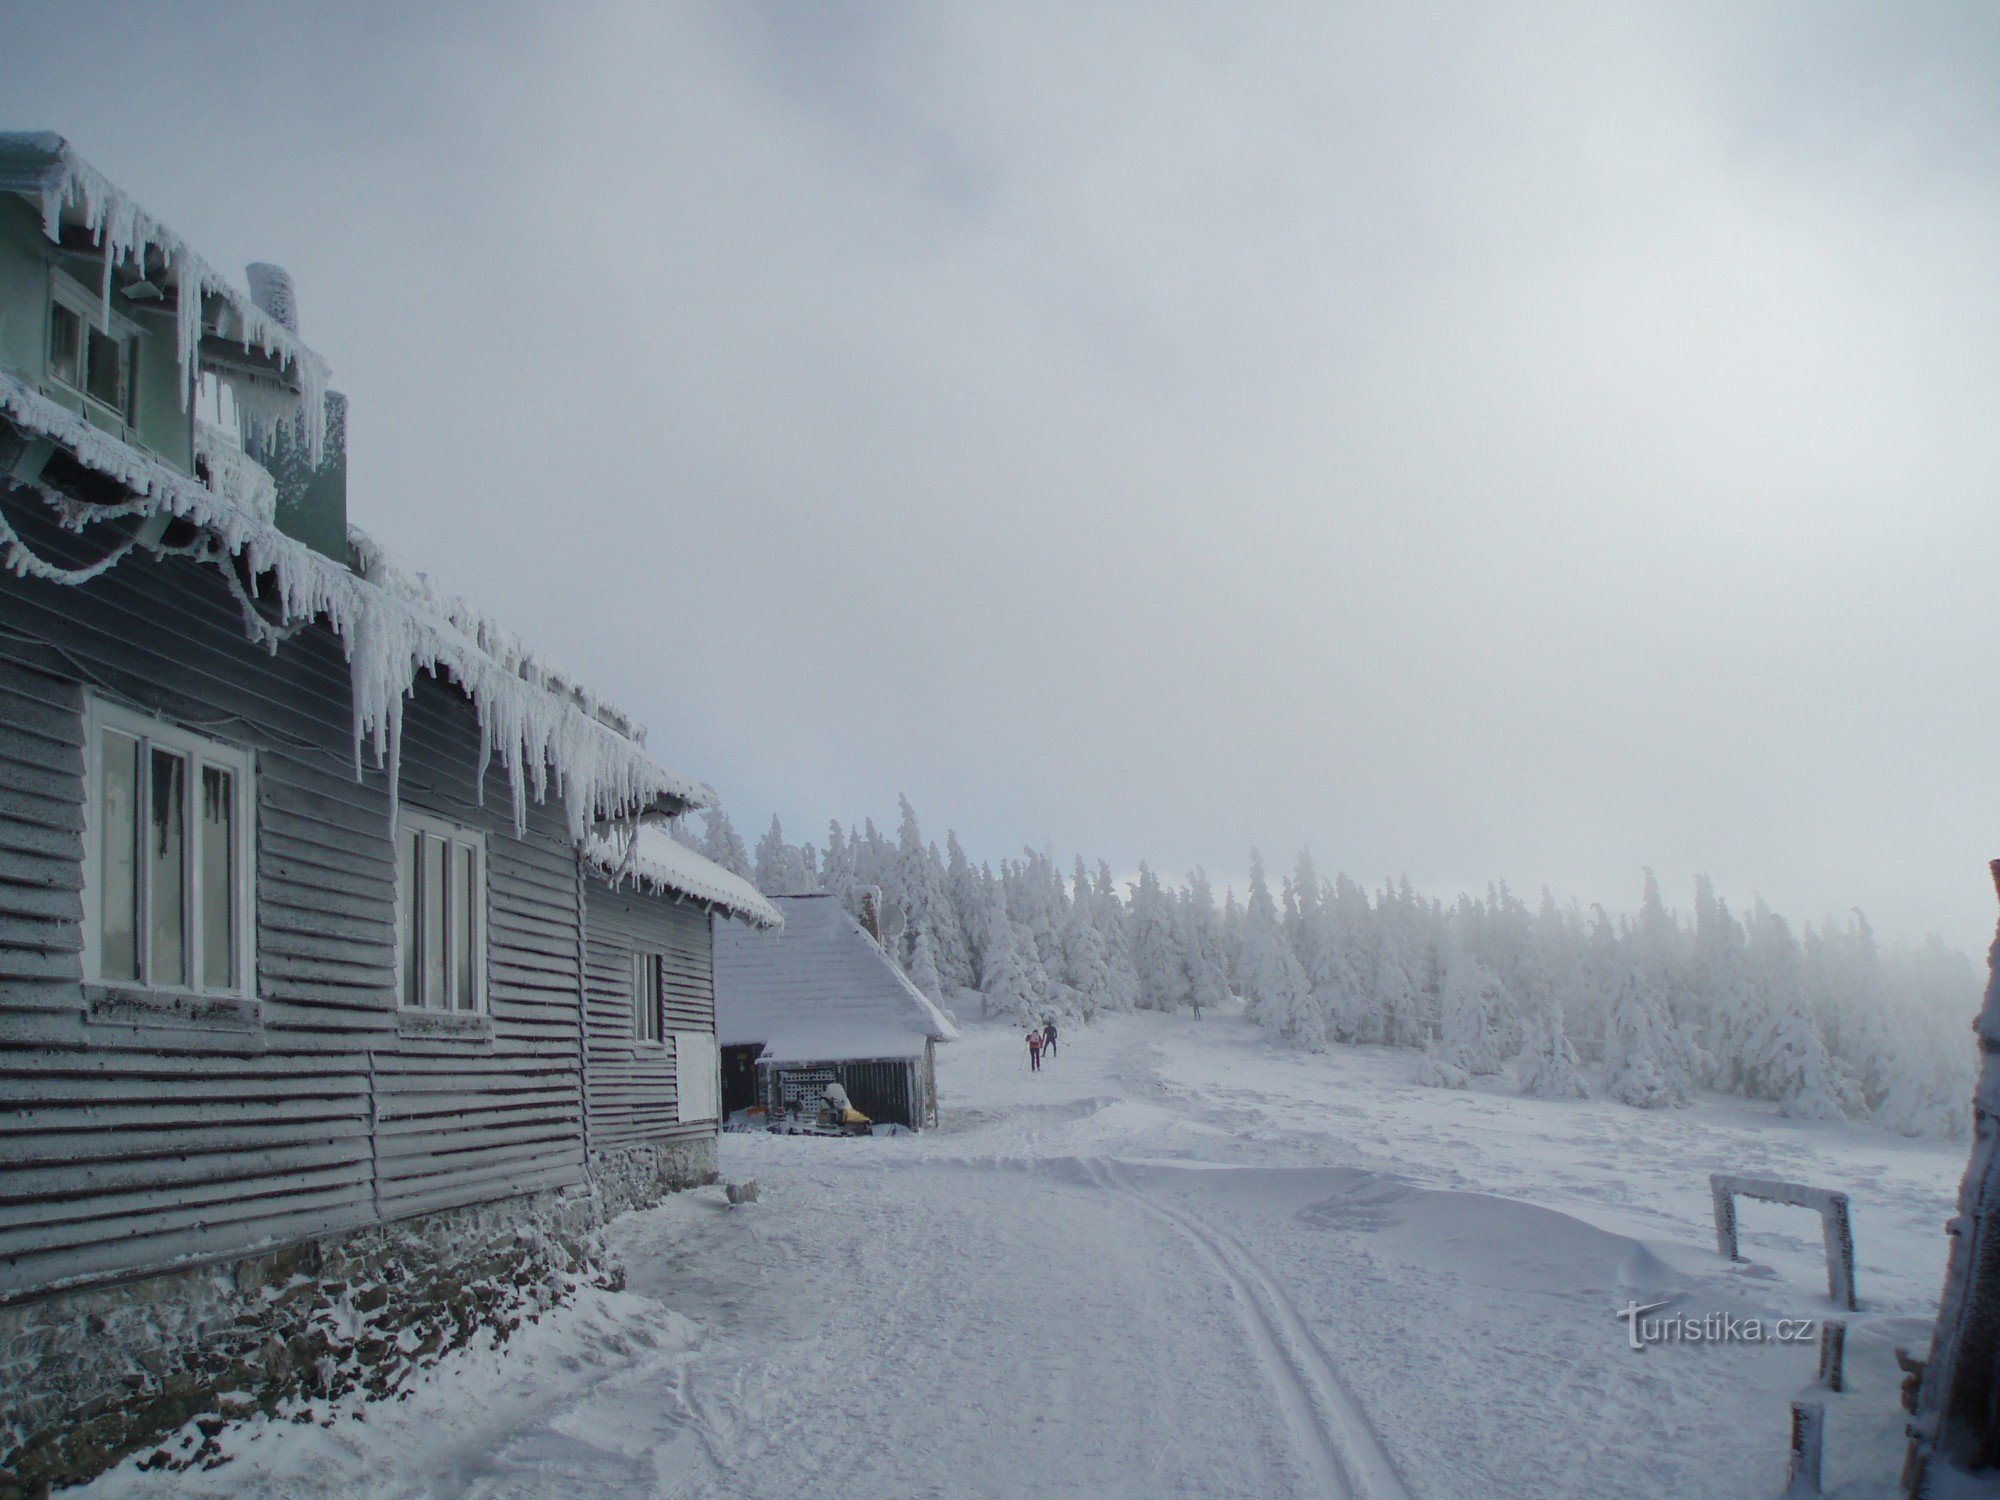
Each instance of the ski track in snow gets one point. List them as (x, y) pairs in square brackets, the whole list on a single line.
[(1178, 1261), (1331, 1429)]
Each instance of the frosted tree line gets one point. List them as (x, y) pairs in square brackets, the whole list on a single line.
[(1563, 1000)]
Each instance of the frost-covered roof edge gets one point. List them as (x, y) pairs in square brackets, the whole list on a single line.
[(533, 719), (44, 164), (673, 869), (940, 1024)]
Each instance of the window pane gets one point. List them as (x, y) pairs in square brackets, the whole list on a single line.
[(465, 912), (409, 901), (104, 370), (218, 879), (66, 346), (118, 808), (437, 950), (167, 870), (646, 996)]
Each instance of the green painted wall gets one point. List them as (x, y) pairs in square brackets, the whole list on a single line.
[(27, 260)]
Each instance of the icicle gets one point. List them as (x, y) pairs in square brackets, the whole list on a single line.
[(187, 321), (392, 625)]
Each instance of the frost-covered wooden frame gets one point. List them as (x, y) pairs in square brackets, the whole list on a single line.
[(101, 717), (73, 297), (456, 838), (648, 996), (1836, 1224)]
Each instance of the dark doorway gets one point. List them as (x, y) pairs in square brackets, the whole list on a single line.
[(739, 1078)]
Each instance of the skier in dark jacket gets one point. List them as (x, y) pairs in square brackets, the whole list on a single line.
[(1049, 1037)]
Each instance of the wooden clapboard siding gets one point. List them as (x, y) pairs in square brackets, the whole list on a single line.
[(630, 1084), (41, 847), (135, 1145)]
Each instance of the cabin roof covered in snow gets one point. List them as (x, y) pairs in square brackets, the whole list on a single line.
[(821, 991), (656, 864)]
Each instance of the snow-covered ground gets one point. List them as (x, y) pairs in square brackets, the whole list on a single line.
[(1181, 1261)]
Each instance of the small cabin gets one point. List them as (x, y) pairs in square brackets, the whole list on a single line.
[(823, 1003)]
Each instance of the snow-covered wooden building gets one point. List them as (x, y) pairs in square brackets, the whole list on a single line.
[(824, 1003), (307, 872)]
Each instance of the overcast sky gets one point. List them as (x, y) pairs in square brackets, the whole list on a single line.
[(1479, 441)]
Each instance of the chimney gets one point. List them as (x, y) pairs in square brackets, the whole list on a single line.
[(271, 289), (312, 498), (871, 911)]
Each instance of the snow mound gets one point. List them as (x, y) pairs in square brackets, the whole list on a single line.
[(1499, 1243)]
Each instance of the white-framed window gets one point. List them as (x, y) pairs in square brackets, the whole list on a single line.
[(648, 986), (91, 351), (169, 866), (440, 915), (697, 1076)]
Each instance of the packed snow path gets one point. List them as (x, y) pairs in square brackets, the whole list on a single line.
[(1180, 1262)]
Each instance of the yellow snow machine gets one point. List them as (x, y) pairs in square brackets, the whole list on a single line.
[(837, 1114)]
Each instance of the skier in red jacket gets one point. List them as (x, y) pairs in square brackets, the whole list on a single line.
[(1035, 1050)]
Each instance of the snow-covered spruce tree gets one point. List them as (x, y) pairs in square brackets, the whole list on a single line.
[(1344, 982), (958, 963), (721, 843), (1470, 1005), (909, 884), (1156, 949), (836, 869), (1201, 946), (1787, 1058), (1232, 938), (1397, 1005), (1114, 923), (1925, 1095), (1086, 970), (1548, 1063), (781, 868), (1661, 953), (1435, 1071), (923, 969), (1644, 1057), (948, 936), (1719, 973), (987, 896), (1274, 986), (1308, 926), (1016, 984)]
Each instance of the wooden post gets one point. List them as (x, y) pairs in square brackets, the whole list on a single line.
[(1808, 1433), (1832, 1352), (1725, 1215), (1837, 1229)]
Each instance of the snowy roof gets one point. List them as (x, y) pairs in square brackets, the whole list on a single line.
[(658, 865), (393, 625), (72, 194), (823, 990)]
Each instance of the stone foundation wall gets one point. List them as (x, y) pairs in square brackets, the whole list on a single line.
[(640, 1176), (87, 1377)]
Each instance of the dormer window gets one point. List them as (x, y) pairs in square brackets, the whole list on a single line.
[(90, 351)]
